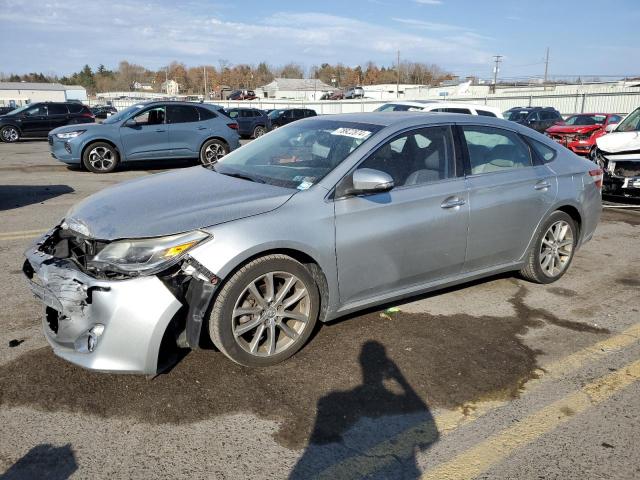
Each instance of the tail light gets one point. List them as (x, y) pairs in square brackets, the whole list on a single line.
[(232, 126), (87, 115), (597, 176)]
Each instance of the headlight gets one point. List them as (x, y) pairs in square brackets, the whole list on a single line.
[(584, 136), (68, 135), (146, 255)]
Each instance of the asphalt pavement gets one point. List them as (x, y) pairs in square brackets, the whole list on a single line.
[(499, 378)]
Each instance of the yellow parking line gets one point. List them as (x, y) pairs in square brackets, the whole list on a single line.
[(21, 235), (496, 448), (380, 455)]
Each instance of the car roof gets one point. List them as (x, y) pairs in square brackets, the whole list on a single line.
[(409, 119), (436, 103)]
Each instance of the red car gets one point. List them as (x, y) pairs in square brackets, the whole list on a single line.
[(579, 132)]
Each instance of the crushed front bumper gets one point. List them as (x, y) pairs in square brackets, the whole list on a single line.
[(105, 325)]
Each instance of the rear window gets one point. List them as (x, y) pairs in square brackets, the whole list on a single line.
[(485, 113), (182, 114), (77, 108)]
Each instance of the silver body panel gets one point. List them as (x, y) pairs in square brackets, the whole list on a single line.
[(371, 249)]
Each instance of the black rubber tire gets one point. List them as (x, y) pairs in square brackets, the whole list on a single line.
[(532, 271), (220, 321), (259, 131), (4, 136), (85, 157), (212, 141)]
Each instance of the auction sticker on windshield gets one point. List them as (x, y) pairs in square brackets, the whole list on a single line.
[(351, 132)]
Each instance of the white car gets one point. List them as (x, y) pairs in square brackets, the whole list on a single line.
[(618, 154), (435, 106)]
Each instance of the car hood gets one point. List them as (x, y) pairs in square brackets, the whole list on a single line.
[(619, 142), (77, 126), (573, 128), (172, 202)]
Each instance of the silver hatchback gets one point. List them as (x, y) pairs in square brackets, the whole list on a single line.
[(310, 222)]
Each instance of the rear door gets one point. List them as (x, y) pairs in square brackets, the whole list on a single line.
[(186, 131), (148, 137), (508, 195), (35, 122), (414, 234), (58, 115)]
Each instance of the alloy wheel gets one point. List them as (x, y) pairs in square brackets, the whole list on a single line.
[(213, 153), (101, 158), (258, 132), (556, 248), (271, 313), (10, 134)]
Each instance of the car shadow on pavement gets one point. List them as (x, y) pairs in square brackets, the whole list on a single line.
[(44, 461), (356, 431), (16, 196)]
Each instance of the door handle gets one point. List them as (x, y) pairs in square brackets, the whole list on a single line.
[(542, 185), (202, 128), (160, 130), (452, 202)]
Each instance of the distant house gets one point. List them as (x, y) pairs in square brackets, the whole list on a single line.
[(294, 88), (26, 92), (142, 86), (170, 87)]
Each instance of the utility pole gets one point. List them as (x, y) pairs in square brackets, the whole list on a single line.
[(166, 80), (204, 71), (398, 76), (496, 68), (546, 66)]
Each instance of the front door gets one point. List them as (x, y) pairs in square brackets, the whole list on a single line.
[(148, 136), (35, 122), (508, 194), (414, 234)]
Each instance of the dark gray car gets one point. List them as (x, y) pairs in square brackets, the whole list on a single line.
[(320, 218)]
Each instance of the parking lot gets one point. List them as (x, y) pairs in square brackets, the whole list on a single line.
[(499, 378)]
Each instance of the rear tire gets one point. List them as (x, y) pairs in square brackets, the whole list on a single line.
[(265, 312), (100, 157), (553, 249), (10, 134), (212, 151), (259, 131)]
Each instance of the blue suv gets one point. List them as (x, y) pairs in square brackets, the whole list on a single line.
[(252, 122), (147, 131)]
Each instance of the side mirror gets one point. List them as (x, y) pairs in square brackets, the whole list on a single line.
[(129, 123), (368, 180), (611, 127)]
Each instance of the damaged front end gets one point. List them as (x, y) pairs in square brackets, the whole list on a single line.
[(120, 306), (621, 172)]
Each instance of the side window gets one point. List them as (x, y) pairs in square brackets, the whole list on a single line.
[(495, 150), (36, 111), (546, 153), (533, 117), (420, 156), (57, 109), (615, 119), (485, 113), (548, 115), (182, 114), (205, 113), (153, 116)]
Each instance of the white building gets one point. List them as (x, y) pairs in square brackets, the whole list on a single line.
[(21, 93), (170, 87), (294, 88), (142, 86)]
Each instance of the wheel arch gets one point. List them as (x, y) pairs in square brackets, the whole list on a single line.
[(99, 140), (213, 137)]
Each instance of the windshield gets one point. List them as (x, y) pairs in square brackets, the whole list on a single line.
[(586, 120), (516, 115), (631, 123), (123, 113), (275, 113), (19, 109), (297, 156)]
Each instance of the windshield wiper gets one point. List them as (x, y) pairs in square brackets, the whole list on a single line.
[(243, 177)]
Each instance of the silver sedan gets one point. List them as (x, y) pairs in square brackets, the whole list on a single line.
[(310, 222)]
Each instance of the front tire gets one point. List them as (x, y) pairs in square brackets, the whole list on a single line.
[(212, 151), (265, 312), (553, 250), (100, 157), (10, 134)]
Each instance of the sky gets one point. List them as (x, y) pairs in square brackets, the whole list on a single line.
[(585, 37)]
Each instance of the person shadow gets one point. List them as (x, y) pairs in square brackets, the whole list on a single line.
[(43, 461), (372, 431)]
